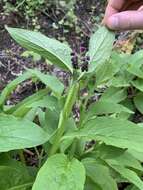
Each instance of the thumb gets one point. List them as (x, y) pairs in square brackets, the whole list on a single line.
[(127, 20)]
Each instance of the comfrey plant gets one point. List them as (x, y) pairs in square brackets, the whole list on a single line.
[(100, 149)]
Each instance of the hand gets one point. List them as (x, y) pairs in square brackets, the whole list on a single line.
[(124, 14)]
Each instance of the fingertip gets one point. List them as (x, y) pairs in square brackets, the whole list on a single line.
[(113, 23)]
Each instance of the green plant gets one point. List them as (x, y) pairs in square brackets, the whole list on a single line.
[(101, 149)]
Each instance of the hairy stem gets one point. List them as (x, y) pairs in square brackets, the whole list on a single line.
[(71, 98)]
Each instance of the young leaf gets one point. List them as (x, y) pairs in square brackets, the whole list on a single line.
[(138, 84), (138, 102), (19, 133), (51, 82), (99, 174), (135, 70), (113, 94), (130, 175), (100, 47), (120, 81), (112, 131), (59, 172), (106, 71), (53, 50), (20, 109), (118, 157), (11, 86), (106, 107)]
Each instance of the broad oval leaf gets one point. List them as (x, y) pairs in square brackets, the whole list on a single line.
[(100, 47), (112, 131), (56, 52), (60, 173), (19, 133)]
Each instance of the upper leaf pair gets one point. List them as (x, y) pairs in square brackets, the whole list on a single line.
[(57, 53)]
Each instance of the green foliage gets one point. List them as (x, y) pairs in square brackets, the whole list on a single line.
[(102, 147), (68, 174)]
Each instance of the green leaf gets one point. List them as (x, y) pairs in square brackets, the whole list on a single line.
[(130, 175), (138, 101), (90, 185), (13, 174), (19, 133), (138, 155), (51, 82), (51, 120), (136, 59), (48, 101), (106, 107), (99, 174), (121, 80), (118, 157), (100, 47), (106, 71), (20, 109), (11, 86), (113, 94), (138, 84), (112, 131), (59, 172), (135, 70), (70, 127), (56, 52)]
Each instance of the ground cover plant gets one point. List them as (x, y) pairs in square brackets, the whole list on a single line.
[(97, 147)]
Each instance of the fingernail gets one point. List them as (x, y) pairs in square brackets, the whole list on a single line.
[(113, 22)]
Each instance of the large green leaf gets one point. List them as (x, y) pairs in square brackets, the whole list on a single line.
[(130, 175), (56, 52), (113, 131), (60, 173), (100, 47), (19, 133), (99, 174)]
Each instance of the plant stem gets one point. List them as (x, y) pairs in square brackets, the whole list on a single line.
[(71, 98)]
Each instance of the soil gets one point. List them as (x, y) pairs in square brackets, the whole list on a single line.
[(12, 64)]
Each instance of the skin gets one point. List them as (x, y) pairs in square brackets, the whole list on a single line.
[(124, 14)]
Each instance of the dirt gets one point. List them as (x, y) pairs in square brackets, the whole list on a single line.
[(12, 64)]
